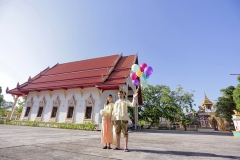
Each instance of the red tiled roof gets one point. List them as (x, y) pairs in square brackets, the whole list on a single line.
[(126, 62), (105, 73), (73, 75), (85, 73), (84, 65)]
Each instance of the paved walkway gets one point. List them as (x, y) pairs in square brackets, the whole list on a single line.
[(35, 143)]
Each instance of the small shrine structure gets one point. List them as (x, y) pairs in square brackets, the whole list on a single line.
[(207, 120)]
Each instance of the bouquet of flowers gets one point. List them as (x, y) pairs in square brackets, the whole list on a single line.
[(103, 112)]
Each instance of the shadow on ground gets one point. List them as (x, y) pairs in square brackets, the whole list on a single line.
[(181, 153)]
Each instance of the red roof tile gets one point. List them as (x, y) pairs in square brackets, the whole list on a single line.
[(126, 62), (73, 75), (84, 65), (83, 73)]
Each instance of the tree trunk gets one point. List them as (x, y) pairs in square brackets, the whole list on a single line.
[(150, 125), (185, 127)]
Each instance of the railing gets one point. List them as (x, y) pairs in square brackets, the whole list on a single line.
[(6, 118), (179, 127), (3, 118), (193, 126)]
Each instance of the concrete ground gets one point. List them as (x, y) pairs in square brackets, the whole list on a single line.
[(21, 142)]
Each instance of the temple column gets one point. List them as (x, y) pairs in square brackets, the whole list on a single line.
[(15, 98)]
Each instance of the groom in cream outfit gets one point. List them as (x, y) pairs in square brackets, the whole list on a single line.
[(120, 118)]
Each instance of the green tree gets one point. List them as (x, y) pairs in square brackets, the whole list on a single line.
[(5, 106), (182, 104), (236, 95), (3, 109), (1, 97), (153, 105), (225, 104), (185, 121), (19, 108), (160, 101)]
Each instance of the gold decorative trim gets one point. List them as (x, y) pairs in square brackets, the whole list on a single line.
[(37, 94), (81, 92), (206, 100), (43, 102), (120, 88), (236, 112), (64, 92), (30, 102), (50, 93), (110, 71), (72, 101), (56, 102), (100, 93)]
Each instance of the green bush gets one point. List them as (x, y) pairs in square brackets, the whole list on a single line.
[(89, 126)]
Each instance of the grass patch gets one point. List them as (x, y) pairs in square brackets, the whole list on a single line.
[(89, 126)]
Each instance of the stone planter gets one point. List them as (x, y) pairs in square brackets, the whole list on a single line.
[(236, 121)]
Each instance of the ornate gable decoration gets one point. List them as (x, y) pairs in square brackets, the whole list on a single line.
[(56, 102), (42, 102), (90, 100), (206, 101), (30, 103), (72, 101)]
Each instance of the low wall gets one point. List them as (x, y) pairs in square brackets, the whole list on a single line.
[(206, 130)]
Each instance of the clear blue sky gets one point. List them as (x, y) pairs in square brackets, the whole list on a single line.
[(192, 43)]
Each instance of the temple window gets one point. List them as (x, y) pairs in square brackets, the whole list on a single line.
[(54, 112), (89, 104), (28, 109), (40, 110), (88, 113), (71, 110), (40, 114), (55, 108)]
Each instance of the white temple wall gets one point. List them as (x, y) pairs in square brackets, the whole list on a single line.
[(80, 107)]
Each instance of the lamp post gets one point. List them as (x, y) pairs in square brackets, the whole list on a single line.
[(235, 75)]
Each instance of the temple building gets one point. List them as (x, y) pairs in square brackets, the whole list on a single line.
[(207, 118), (75, 92)]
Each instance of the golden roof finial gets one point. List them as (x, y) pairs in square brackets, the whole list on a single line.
[(206, 100)]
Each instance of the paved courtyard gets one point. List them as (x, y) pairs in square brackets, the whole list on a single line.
[(21, 142)]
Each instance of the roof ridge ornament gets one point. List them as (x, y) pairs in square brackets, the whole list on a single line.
[(206, 101), (29, 79), (55, 65), (18, 86)]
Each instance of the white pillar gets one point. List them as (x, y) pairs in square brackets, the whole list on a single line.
[(14, 105)]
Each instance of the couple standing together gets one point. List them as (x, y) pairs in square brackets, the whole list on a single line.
[(115, 121)]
